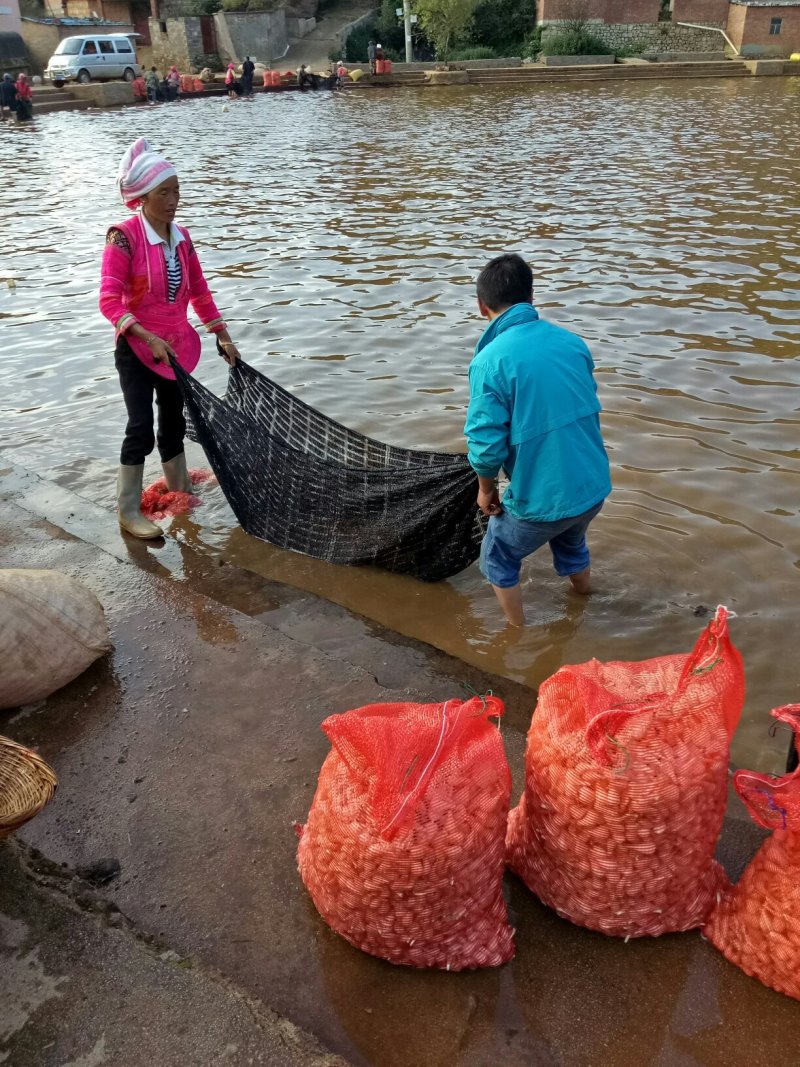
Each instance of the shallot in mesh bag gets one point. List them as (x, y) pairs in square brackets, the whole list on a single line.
[(626, 772), (403, 851), (756, 925)]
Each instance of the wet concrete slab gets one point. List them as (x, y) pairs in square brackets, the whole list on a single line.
[(80, 988), (192, 749)]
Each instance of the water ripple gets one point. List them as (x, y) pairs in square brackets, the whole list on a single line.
[(342, 235)]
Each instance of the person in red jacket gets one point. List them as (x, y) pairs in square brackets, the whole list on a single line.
[(150, 276), (24, 99)]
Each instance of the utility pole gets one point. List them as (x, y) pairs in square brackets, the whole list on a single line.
[(407, 24)]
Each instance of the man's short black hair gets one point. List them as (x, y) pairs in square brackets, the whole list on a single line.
[(505, 280)]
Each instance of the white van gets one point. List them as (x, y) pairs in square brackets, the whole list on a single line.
[(94, 57)]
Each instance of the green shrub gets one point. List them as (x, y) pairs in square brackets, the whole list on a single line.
[(355, 47), (393, 44), (203, 7), (503, 24), (629, 50), (573, 43), (475, 52), (250, 5), (390, 31), (532, 45)]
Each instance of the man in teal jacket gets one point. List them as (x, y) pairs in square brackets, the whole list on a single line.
[(534, 413)]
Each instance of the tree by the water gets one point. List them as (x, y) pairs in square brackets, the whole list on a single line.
[(503, 25), (445, 21)]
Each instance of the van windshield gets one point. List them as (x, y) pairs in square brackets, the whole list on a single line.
[(70, 46)]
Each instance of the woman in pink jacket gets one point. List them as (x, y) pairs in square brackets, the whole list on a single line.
[(150, 275)]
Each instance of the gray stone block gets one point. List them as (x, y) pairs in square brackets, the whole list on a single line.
[(575, 61), (447, 77), (768, 67), (686, 57), (104, 94)]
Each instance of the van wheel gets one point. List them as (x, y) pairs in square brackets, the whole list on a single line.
[(128, 75), (84, 77)]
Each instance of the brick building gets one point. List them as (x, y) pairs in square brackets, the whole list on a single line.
[(612, 12), (758, 27), (9, 17), (755, 27), (707, 12)]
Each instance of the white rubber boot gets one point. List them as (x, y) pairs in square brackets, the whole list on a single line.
[(129, 503), (177, 475)]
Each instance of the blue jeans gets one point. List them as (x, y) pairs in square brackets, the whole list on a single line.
[(509, 540)]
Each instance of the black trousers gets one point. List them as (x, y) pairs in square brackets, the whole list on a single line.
[(793, 761), (138, 384)]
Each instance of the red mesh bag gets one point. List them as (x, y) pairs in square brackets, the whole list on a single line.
[(158, 502), (403, 851), (626, 772), (755, 923)]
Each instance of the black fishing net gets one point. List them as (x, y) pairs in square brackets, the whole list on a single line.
[(302, 481)]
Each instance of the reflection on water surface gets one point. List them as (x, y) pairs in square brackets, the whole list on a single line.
[(342, 235)]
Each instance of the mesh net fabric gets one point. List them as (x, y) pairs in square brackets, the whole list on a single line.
[(626, 772), (403, 849), (755, 922), (304, 482)]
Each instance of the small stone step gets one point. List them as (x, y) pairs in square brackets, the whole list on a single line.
[(47, 107)]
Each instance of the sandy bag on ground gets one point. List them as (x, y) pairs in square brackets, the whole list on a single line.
[(51, 629), (626, 772), (403, 849), (755, 925)]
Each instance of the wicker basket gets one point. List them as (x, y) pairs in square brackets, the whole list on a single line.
[(26, 785)]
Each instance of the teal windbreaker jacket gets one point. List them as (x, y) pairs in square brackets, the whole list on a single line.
[(534, 412)]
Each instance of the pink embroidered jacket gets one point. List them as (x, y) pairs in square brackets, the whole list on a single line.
[(134, 287)]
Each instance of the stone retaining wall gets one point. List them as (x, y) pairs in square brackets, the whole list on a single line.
[(259, 34), (685, 57), (648, 36), (462, 64), (576, 61), (298, 28)]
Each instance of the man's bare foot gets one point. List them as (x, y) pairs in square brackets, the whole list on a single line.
[(511, 602), (581, 582)]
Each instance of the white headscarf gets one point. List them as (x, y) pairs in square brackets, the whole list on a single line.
[(141, 169)]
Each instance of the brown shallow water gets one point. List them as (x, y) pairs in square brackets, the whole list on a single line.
[(342, 235)]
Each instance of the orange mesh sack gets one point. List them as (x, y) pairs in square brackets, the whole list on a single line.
[(755, 924), (626, 773), (403, 851)]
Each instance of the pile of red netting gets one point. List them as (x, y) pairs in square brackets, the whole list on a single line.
[(403, 849), (756, 925), (159, 503), (626, 773)]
